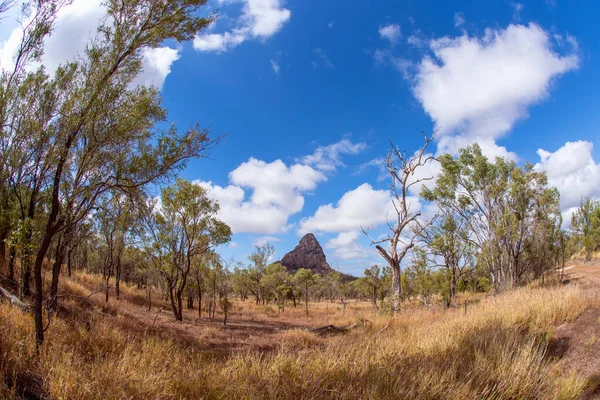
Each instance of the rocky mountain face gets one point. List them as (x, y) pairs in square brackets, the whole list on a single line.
[(308, 254)]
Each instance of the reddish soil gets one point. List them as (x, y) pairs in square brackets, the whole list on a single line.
[(578, 344), (240, 333)]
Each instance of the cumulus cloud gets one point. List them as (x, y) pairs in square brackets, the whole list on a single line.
[(329, 158), (260, 19), (475, 89), (347, 247), (277, 192), (75, 25), (390, 33), (363, 207), (573, 171)]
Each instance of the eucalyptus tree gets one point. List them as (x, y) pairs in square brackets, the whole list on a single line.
[(260, 259), (115, 217), (306, 280), (585, 224), (103, 128), (372, 282), (277, 282), (448, 242), (502, 206), (28, 102), (407, 225), (183, 229)]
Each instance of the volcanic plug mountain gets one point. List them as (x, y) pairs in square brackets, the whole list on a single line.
[(308, 254)]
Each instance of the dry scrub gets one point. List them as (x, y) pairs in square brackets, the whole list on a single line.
[(498, 350)]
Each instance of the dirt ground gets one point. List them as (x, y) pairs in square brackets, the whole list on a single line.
[(249, 326), (578, 344)]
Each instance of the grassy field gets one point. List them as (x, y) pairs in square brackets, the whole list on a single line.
[(500, 349)]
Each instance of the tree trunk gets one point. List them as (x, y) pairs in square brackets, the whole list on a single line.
[(69, 255), (149, 297), (293, 298), (12, 254), (306, 299), (199, 302), (190, 301), (39, 288), (118, 276), (172, 297), (396, 289), (60, 252)]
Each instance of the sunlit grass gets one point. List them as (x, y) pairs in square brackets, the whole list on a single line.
[(497, 350)]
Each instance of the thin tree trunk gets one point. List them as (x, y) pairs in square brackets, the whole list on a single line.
[(306, 299), (60, 251), (199, 302), (69, 255), (12, 254), (396, 289), (118, 276)]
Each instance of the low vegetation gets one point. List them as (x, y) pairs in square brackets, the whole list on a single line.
[(499, 349)]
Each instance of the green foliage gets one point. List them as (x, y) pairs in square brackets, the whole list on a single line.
[(585, 224), (483, 284), (508, 213)]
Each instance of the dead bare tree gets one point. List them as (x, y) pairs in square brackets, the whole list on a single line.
[(408, 224)]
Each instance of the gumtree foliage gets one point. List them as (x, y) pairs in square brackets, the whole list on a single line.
[(449, 247), (259, 258), (305, 280), (89, 130), (585, 224), (504, 206), (183, 230)]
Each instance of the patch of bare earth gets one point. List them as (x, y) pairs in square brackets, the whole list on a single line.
[(242, 332), (578, 344)]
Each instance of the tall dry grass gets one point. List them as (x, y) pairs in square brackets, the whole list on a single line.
[(496, 351)]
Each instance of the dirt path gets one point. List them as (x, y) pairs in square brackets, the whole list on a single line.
[(578, 344)]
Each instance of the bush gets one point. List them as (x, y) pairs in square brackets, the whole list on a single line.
[(484, 285)]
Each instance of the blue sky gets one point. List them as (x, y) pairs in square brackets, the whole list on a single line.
[(309, 92)]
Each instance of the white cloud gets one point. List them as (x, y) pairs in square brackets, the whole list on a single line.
[(331, 25), (328, 158), (75, 25), (459, 19), (275, 66), (347, 247), (266, 239), (233, 245), (573, 171), (277, 193), (362, 207), (157, 65), (260, 19), (390, 32), (475, 89)]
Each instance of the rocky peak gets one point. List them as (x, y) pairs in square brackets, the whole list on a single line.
[(308, 254)]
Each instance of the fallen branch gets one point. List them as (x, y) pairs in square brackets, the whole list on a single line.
[(14, 300), (332, 329)]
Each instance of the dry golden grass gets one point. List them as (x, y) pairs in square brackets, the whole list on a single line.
[(496, 351)]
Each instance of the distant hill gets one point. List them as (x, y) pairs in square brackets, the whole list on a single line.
[(308, 254)]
